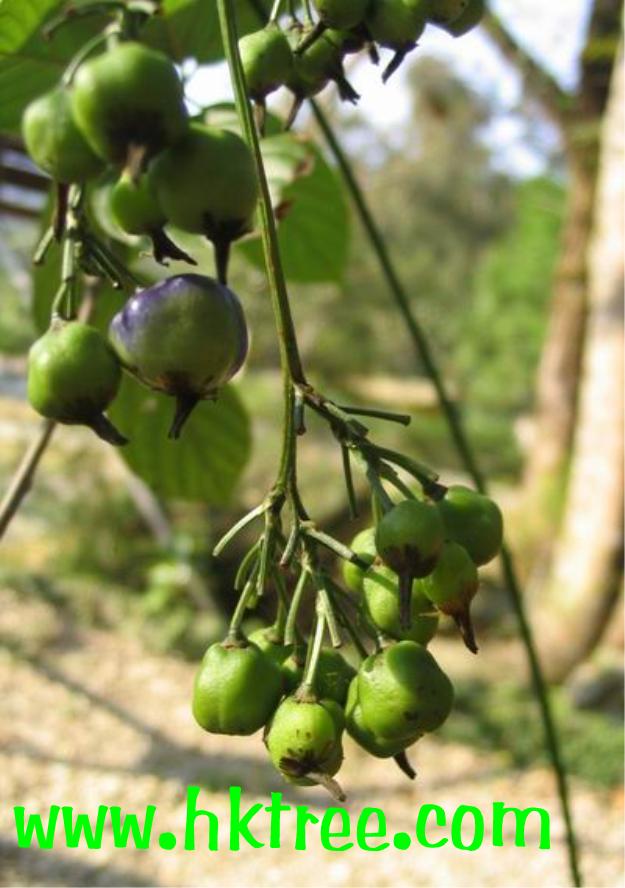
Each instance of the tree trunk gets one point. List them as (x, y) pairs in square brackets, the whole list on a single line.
[(558, 373), (587, 568), (558, 377)]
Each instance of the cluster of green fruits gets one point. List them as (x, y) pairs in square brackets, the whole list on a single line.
[(124, 110), (422, 561), (306, 58), (185, 336)]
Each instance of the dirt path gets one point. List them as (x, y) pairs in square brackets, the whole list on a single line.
[(90, 718)]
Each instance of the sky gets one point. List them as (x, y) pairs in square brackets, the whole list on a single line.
[(552, 30)]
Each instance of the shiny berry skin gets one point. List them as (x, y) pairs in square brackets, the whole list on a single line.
[(129, 98), (54, 141), (73, 375), (267, 60), (381, 604), (236, 690), (185, 336), (473, 520), (206, 183), (363, 545)]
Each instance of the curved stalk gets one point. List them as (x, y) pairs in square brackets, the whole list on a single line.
[(468, 459)]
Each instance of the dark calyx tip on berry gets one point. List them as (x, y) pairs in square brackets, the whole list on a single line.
[(164, 248), (298, 101), (465, 625), (402, 762), (396, 61), (347, 93), (184, 407), (405, 599), (105, 429)]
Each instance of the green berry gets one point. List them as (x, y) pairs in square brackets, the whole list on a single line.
[(73, 375), (341, 14), (134, 206), (473, 520), (304, 740), (403, 692), (206, 183), (381, 604), (129, 99), (358, 728), (397, 24), (237, 689), (267, 60), (468, 19), (363, 545), (54, 141), (452, 586)]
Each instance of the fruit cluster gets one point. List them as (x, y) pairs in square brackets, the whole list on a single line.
[(305, 58), (186, 336), (121, 114), (420, 560)]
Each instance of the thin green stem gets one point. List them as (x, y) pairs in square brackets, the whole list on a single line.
[(275, 11), (239, 526), (314, 650), (245, 598), (468, 459), (290, 630), (376, 413), (289, 352)]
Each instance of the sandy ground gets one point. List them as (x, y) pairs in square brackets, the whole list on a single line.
[(88, 718)]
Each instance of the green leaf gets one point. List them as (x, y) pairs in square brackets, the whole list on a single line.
[(190, 28), (19, 19), (207, 461), (30, 65), (314, 226)]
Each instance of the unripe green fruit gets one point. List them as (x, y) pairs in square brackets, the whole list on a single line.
[(467, 20), (185, 336), (409, 538), (267, 60), (443, 12), (206, 184), (452, 586), (315, 67), (134, 206), (403, 692), (381, 604), (54, 141), (397, 24), (363, 545), (304, 740), (236, 690), (332, 678), (137, 211), (73, 375), (341, 14), (129, 98), (265, 639), (473, 520), (359, 730)]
